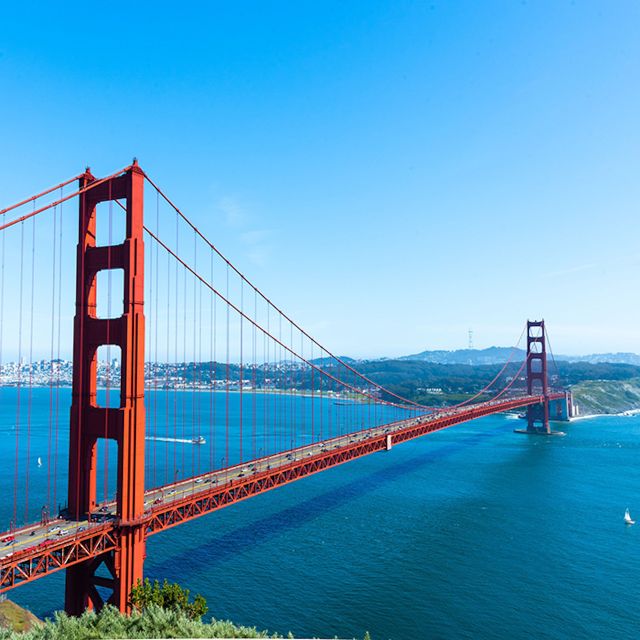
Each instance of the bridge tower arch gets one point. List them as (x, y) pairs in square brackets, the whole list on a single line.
[(537, 381), (124, 424)]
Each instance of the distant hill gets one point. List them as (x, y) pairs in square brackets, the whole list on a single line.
[(596, 358), (327, 360), (492, 355), (498, 355)]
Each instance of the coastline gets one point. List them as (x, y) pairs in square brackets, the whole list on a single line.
[(326, 395), (629, 413)]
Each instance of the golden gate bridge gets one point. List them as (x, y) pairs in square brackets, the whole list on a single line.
[(257, 400)]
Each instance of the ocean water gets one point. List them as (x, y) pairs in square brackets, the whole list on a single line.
[(473, 532)]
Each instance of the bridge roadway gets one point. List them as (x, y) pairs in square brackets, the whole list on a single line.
[(36, 550)]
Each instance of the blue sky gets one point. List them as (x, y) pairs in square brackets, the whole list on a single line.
[(391, 173)]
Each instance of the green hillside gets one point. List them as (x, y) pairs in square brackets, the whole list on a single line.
[(607, 396), (15, 618)]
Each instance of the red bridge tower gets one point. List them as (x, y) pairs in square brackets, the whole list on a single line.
[(537, 384), (125, 424)]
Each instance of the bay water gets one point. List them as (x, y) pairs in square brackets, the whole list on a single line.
[(472, 532)]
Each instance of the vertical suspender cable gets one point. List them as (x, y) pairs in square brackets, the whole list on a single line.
[(19, 382), (267, 372), (329, 407), (29, 409), (175, 390), (313, 401), (183, 396), (167, 392), (194, 411), (2, 300), (292, 397), (240, 371), (282, 370), (200, 368), (254, 374), (51, 352), (226, 444), (212, 377), (59, 368), (276, 398), (3, 245), (321, 402), (300, 401), (155, 344)]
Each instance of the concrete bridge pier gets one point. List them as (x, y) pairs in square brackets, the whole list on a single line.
[(561, 409)]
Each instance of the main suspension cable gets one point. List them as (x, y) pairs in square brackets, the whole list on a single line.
[(231, 305), (275, 307)]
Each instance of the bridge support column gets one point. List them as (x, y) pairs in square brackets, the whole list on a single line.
[(561, 409), (537, 414), (125, 424), (537, 382)]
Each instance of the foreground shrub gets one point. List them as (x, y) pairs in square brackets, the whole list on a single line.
[(169, 596), (153, 622)]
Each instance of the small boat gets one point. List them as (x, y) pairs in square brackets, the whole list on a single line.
[(39, 461), (198, 440), (627, 518)]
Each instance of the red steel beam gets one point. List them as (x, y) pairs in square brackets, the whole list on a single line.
[(30, 564), (168, 515)]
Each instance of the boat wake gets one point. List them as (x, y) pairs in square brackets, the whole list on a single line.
[(194, 440)]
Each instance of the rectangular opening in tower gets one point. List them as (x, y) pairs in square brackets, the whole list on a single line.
[(111, 224), (109, 376), (106, 473), (109, 293)]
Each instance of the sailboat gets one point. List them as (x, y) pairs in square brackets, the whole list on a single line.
[(627, 518), (39, 461)]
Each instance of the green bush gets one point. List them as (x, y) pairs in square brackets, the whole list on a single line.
[(160, 611), (153, 622), (169, 596)]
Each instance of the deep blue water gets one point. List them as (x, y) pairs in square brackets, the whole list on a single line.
[(471, 532)]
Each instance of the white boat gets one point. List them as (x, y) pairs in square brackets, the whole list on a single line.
[(39, 461), (627, 518), (198, 440)]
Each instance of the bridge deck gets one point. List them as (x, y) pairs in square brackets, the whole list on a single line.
[(35, 550)]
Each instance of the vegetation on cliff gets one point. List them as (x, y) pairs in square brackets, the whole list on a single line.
[(153, 622), (417, 380), (607, 396), (159, 611), (15, 618)]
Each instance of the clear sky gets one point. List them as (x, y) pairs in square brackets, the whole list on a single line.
[(391, 173)]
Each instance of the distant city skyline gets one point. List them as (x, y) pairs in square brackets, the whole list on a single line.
[(391, 174), (47, 369)]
